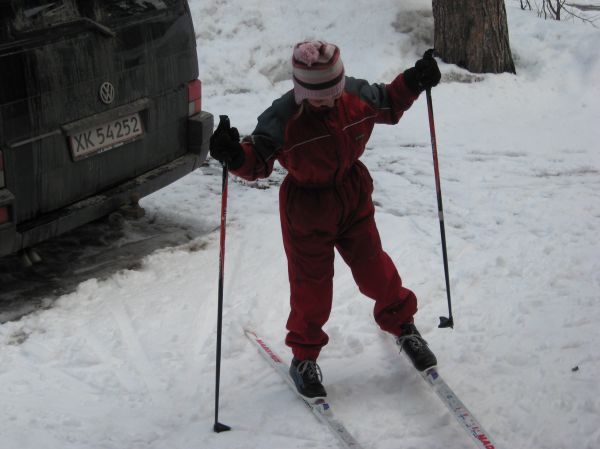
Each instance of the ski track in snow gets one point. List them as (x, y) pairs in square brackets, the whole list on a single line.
[(128, 362)]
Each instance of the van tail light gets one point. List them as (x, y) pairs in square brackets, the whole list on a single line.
[(1, 169), (194, 97), (4, 215)]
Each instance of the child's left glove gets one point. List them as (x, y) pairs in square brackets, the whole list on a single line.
[(424, 75)]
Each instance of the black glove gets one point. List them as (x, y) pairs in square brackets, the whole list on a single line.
[(225, 145), (424, 75)]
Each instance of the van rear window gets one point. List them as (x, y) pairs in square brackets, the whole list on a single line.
[(24, 16), (115, 9), (6, 17), (31, 15)]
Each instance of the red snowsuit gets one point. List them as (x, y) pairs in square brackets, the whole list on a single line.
[(325, 202)]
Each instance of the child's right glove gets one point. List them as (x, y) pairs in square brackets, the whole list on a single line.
[(225, 145)]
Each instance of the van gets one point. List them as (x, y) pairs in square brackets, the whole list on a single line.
[(100, 105)]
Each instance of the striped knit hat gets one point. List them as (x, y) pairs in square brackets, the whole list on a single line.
[(318, 71)]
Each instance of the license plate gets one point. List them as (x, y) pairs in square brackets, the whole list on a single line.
[(106, 136)]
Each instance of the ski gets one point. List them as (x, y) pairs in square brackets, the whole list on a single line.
[(469, 423), (321, 408)]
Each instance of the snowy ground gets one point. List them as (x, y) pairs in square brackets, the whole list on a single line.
[(128, 362)]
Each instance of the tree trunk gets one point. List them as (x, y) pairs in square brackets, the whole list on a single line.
[(473, 34)]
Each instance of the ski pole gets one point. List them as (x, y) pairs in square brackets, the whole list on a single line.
[(219, 427), (444, 321)]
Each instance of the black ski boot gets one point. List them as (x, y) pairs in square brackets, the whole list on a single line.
[(307, 376), (415, 347)]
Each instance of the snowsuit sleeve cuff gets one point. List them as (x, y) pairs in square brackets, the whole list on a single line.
[(401, 96), (253, 167)]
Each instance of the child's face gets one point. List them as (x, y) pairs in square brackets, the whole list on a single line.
[(323, 103)]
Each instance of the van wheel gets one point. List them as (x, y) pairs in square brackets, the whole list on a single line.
[(134, 211), (116, 219)]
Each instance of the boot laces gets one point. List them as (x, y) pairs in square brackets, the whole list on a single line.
[(416, 342), (312, 370)]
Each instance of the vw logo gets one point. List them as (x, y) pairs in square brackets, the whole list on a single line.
[(107, 93)]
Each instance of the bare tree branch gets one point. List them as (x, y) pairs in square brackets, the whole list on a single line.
[(590, 20), (525, 4), (556, 11)]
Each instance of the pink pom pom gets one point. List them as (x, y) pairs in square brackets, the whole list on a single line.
[(308, 52)]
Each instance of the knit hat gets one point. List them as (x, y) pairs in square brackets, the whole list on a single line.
[(318, 71)]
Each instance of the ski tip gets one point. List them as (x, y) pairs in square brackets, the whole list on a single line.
[(250, 333)]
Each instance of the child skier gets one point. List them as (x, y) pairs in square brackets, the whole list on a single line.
[(317, 131)]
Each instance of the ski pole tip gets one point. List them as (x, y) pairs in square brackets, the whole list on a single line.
[(446, 322), (219, 427)]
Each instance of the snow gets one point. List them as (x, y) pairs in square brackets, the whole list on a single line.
[(128, 361)]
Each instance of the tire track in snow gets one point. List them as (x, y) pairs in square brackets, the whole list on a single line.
[(137, 354)]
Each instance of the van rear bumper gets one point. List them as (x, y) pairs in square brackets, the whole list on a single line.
[(14, 238), (95, 207)]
